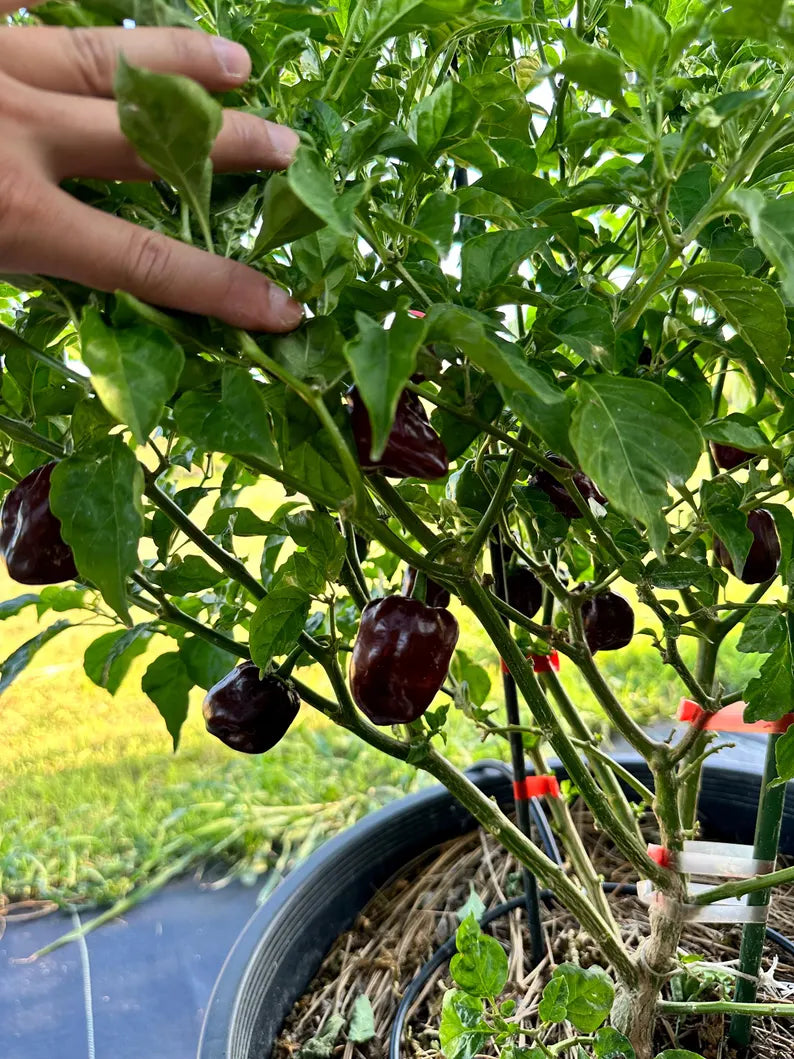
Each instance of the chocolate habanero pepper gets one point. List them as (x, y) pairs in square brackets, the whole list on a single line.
[(608, 622), (524, 591), (559, 495), (249, 714), (764, 555), (400, 658), (30, 535), (729, 457), (413, 450)]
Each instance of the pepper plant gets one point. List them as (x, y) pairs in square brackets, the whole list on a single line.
[(546, 254)]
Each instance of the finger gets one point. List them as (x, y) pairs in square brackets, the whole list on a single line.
[(44, 230), (83, 61), (82, 138)]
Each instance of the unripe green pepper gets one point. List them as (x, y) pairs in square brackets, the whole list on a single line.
[(400, 658)]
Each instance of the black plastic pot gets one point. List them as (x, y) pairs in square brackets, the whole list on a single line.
[(285, 941)]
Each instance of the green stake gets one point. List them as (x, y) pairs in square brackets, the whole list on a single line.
[(767, 837)]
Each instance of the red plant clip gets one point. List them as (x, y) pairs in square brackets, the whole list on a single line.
[(549, 663), (540, 663), (730, 719), (536, 787), (660, 855)]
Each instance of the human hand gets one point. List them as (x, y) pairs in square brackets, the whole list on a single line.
[(58, 120)]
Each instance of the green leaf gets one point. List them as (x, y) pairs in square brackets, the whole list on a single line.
[(752, 308), (189, 574), (593, 69), (278, 622), (319, 534), (172, 123), (18, 660), (738, 430), (690, 192), (9, 608), (96, 496), (134, 370), (382, 362), (463, 1032), (285, 217), (322, 1046), (481, 968), (553, 1005), (241, 521), (750, 18), (590, 995), (769, 695), (362, 1021), (678, 571), (168, 684), (532, 395), (678, 1053), (772, 224), (721, 500), (487, 259), (205, 663), (763, 631), (436, 219), (446, 116), (237, 424), (108, 659), (632, 438), (609, 1044), (784, 755), (313, 352), (476, 676), (473, 906), (392, 18), (313, 184), (587, 329), (639, 35)]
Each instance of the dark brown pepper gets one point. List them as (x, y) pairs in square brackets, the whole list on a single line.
[(524, 591), (729, 457), (608, 622), (400, 658), (764, 555), (249, 714), (30, 535), (559, 495), (413, 450)]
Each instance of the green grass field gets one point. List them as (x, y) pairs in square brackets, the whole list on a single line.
[(94, 802)]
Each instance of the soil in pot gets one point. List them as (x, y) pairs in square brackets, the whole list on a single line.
[(408, 920)]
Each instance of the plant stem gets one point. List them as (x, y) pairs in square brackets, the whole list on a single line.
[(604, 769), (725, 1007), (475, 596)]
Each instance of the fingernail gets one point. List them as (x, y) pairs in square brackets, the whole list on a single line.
[(287, 312), (285, 142), (233, 58)]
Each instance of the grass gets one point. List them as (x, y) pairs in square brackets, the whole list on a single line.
[(94, 804)]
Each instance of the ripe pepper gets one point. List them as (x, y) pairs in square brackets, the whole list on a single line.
[(435, 594), (559, 495), (30, 535), (413, 450), (400, 658), (729, 457), (524, 591), (608, 622), (764, 555), (249, 714)]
